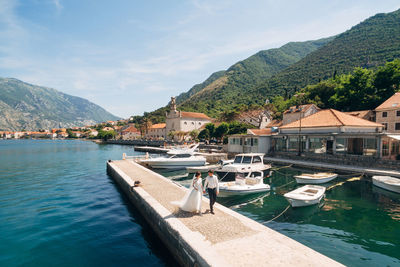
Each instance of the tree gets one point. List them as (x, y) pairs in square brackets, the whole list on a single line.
[(211, 129), (204, 134), (221, 130), (106, 135), (193, 134)]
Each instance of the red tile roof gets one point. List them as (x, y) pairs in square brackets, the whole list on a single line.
[(130, 129), (392, 102), (158, 126), (196, 115), (331, 118)]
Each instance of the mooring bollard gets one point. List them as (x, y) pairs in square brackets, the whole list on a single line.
[(123, 155)]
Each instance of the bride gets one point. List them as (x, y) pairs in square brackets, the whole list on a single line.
[(192, 200)]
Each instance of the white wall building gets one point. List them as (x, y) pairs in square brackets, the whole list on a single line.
[(180, 121), (294, 113), (255, 141)]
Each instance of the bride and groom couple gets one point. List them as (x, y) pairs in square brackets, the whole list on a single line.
[(193, 198)]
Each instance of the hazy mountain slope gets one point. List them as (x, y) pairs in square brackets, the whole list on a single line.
[(29, 107), (368, 44)]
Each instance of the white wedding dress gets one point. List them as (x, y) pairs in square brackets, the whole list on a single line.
[(192, 200)]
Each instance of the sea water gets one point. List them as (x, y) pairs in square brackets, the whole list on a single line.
[(357, 224), (58, 207)]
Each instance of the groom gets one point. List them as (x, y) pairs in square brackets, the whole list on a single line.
[(212, 188)]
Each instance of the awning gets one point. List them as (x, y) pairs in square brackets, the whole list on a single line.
[(397, 137)]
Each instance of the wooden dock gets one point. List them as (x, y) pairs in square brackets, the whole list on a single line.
[(224, 239), (345, 168)]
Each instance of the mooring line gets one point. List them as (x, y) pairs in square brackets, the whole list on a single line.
[(280, 214)]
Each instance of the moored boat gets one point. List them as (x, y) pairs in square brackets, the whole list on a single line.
[(179, 161), (305, 196), (252, 183), (243, 164), (315, 178), (387, 182)]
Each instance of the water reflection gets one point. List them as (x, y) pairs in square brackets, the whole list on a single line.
[(358, 224)]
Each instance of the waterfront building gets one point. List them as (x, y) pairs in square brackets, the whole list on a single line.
[(258, 118), (388, 114), (294, 113), (156, 131), (255, 141), (181, 121), (130, 133), (331, 132)]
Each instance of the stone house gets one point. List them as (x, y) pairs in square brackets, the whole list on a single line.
[(294, 113), (156, 131), (258, 118), (388, 114), (130, 133)]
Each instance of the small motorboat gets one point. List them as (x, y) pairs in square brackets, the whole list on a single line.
[(315, 178), (252, 183), (305, 196), (178, 161), (387, 182), (243, 164)]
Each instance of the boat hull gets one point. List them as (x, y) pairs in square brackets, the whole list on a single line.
[(295, 203), (305, 180), (228, 192), (389, 187), (225, 176), (306, 195), (173, 165)]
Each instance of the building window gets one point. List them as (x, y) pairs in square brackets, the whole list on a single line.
[(384, 114), (385, 125), (199, 123), (398, 113), (192, 122), (397, 126), (185, 123)]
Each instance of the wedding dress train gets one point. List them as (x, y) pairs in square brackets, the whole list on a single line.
[(192, 200)]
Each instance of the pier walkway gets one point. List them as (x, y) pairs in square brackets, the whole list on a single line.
[(224, 239), (322, 165)]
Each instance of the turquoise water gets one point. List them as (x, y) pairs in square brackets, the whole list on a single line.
[(358, 224), (58, 207)]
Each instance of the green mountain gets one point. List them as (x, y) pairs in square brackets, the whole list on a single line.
[(224, 89), (368, 44), (29, 107)]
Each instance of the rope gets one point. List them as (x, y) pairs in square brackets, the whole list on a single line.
[(352, 179), (285, 184), (280, 214), (224, 176), (275, 169)]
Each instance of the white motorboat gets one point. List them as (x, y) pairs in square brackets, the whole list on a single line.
[(208, 167), (315, 178), (305, 196), (243, 164), (179, 161), (387, 182), (252, 183), (183, 150)]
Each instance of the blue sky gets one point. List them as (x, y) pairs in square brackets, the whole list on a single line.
[(132, 56)]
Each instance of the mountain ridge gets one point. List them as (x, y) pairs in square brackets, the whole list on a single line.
[(24, 106)]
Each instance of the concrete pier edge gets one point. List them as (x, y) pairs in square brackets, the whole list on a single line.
[(192, 249)]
